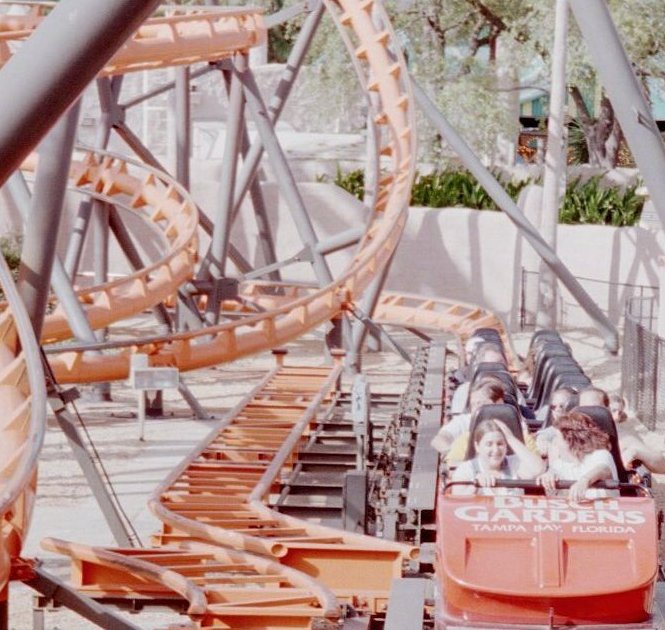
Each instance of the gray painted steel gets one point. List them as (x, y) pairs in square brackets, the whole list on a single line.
[(215, 262), (72, 44), (183, 129), (38, 252), (56, 591), (284, 176), (406, 604), (503, 200), (626, 94), (278, 100)]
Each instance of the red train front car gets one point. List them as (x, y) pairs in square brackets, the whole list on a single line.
[(544, 562)]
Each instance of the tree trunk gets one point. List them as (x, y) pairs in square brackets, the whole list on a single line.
[(603, 134)]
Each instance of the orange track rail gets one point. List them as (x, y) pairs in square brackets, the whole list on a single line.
[(459, 318), (23, 403), (220, 495), (382, 74), (235, 470)]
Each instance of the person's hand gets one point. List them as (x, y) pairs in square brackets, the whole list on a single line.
[(507, 433), (577, 492), (487, 480), (548, 481), (629, 455)]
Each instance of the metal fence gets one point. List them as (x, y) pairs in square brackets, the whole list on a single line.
[(643, 362), (610, 296)]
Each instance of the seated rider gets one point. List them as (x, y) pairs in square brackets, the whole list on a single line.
[(482, 394), (491, 440), (579, 452)]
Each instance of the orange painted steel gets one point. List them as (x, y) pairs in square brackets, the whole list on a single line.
[(223, 588), (459, 318), (219, 496), (167, 209), (182, 35), (220, 492), (546, 561), (23, 404), (382, 73)]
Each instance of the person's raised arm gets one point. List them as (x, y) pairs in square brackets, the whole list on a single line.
[(530, 465)]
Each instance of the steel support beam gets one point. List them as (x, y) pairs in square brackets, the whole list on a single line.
[(135, 144), (626, 94), (278, 100), (183, 129), (57, 591), (39, 245), (68, 49), (124, 239), (258, 203), (19, 193), (359, 329), (503, 201), (215, 262), (95, 482), (108, 91), (284, 176), (555, 167)]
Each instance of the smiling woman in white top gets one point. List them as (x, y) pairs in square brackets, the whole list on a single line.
[(491, 439)]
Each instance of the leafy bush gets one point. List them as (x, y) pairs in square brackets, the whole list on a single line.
[(585, 203), (10, 247), (591, 203), (351, 181)]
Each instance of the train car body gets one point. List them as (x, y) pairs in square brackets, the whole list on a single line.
[(522, 561)]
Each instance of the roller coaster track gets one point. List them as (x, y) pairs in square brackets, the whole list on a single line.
[(219, 494), (23, 403), (439, 314), (163, 199)]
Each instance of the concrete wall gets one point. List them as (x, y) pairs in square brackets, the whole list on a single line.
[(477, 257), (456, 253)]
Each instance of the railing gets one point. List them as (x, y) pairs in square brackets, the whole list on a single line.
[(610, 296), (642, 370)]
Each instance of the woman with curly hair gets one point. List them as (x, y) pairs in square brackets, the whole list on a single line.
[(579, 452)]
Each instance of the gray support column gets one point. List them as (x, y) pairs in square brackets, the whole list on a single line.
[(216, 256), (21, 198), (353, 361), (135, 144), (277, 102), (555, 168), (284, 176), (124, 239), (258, 203), (625, 93), (100, 240), (503, 200), (40, 241), (183, 135), (68, 49), (108, 91)]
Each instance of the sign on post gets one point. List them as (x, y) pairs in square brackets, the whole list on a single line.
[(144, 378)]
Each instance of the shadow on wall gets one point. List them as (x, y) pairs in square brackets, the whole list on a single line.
[(458, 254), (477, 257)]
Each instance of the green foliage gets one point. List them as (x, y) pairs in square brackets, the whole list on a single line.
[(584, 203), (591, 203), (351, 181), (578, 150), (10, 247)]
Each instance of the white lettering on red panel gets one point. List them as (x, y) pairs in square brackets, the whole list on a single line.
[(522, 514)]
